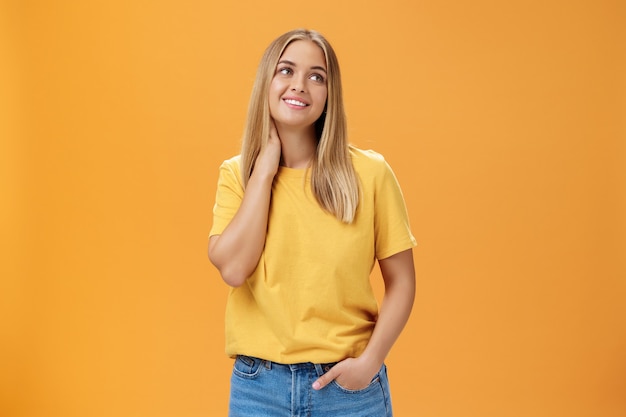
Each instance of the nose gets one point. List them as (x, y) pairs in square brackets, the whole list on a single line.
[(297, 84)]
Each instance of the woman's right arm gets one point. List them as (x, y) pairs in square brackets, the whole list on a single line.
[(237, 250)]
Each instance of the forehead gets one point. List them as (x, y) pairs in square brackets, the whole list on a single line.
[(304, 52)]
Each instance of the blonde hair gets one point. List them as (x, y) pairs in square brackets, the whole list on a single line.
[(333, 180)]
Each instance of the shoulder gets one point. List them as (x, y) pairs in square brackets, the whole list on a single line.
[(231, 168), (366, 157), (368, 162), (232, 164)]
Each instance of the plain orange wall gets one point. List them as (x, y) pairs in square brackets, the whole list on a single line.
[(504, 121)]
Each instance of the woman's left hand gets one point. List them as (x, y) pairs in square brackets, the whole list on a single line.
[(351, 373)]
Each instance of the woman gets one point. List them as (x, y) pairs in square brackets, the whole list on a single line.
[(300, 219)]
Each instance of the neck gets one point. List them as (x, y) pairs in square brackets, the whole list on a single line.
[(297, 146)]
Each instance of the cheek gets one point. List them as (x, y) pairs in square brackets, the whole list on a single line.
[(274, 96), (272, 92), (321, 98)]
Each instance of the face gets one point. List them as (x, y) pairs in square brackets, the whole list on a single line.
[(298, 90)]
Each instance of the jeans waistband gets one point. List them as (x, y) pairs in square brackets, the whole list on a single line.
[(320, 368)]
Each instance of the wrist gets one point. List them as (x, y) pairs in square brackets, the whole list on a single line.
[(372, 358), (262, 176)]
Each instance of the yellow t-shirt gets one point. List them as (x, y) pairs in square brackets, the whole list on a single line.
[(310, 298)]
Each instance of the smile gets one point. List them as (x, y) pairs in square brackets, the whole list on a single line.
[(295, 102)]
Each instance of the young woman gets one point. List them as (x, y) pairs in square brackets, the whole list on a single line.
[(300, 219)]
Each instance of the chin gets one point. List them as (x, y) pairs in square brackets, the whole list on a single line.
[(302, 124)]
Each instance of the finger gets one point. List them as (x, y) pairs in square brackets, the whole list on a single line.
[(325, 379)]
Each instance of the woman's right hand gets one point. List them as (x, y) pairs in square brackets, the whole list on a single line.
[(269, 158), (236, 252)]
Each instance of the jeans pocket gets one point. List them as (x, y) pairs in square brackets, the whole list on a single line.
[(373, 383), (247, 366)]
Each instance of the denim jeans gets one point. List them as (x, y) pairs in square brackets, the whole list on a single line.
[(260, 388)]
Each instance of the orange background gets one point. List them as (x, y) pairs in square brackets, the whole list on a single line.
[(504, 121)]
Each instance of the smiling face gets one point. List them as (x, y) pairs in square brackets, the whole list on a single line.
[(298, 90)]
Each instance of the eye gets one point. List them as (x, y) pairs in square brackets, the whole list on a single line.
[(285, 71), (317, 78)]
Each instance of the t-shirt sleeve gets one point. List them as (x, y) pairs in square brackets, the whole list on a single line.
[(228, 196), (391, 221)]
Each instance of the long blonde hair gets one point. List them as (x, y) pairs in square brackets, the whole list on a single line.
[(333, 180)]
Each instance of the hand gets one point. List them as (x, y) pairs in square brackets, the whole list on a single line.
[(352, 373), (269, 158)]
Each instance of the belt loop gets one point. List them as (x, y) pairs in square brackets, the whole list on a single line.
[(319, 369), (268, 365)]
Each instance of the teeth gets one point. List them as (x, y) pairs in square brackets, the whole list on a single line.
[(295, 102)]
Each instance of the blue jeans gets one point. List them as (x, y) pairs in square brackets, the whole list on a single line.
[(260, 388)]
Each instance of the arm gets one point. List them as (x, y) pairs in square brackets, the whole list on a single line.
[(399, 276), (236, 252)]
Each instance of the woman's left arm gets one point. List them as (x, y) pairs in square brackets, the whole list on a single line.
[(399, 276)]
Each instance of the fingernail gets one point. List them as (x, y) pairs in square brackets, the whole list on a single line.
[(316, 385)]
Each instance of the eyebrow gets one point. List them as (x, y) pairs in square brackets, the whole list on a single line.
[(316, 67)]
